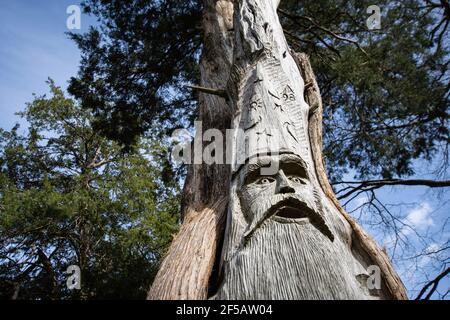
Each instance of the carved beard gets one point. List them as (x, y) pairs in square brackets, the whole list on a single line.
[(292, 207), (285, 261)]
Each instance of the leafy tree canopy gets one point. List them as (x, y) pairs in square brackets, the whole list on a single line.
[(385, 91), (69, 196)]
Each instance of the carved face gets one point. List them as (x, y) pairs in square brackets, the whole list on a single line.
[(279, 245), (286, 196)]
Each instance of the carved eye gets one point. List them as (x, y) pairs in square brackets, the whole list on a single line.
[(295, 179), (265, 180)]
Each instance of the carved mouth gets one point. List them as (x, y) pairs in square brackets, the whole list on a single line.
[(291, 211), (292, 214)]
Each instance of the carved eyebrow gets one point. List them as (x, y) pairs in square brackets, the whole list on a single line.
[(252, 170), (287, 161), (292, 158), (291, 163), (260, 163)]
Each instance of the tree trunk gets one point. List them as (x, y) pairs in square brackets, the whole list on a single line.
[(186, 270), (272, 105)]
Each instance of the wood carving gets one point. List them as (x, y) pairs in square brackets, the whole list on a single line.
[(285, 236)]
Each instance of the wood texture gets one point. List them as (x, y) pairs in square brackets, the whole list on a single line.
[(285, 239), (186, 269), (292, 244)]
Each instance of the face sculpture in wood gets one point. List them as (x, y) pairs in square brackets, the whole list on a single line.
[(284, 239), (288, 196), (282, 243), (286, 236)]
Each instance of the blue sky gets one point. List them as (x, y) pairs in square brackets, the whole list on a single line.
[(34, 46), (423, 223)]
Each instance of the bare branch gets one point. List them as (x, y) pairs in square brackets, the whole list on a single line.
[(363, 185), (217, 92), (433, 284)]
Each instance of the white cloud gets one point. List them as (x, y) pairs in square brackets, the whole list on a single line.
[(432, 248), (419, 217)]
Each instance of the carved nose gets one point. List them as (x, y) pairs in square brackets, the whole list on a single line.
[(286, 189), (283, 185)]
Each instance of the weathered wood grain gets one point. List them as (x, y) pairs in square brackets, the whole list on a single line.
[(286, 237)]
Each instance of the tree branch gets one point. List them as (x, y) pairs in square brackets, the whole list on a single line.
[(326, 30), (217, 92), (434, 283), (389, 182)]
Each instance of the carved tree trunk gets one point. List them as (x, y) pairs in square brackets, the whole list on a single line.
[(269, 98)]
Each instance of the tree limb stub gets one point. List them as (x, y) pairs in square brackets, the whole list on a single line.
[(217, 92)]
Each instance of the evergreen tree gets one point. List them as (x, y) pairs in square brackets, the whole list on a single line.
[(68, 196)]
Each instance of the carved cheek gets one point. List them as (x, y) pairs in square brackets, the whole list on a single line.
[(306, 192), (253, 198), (304, 189)]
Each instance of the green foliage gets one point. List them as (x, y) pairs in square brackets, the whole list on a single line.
[(385, 91), (68, 196), (136, 64)]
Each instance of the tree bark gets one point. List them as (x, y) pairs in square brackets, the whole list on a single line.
[(231, 48), (392, 281), (187, 267)]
